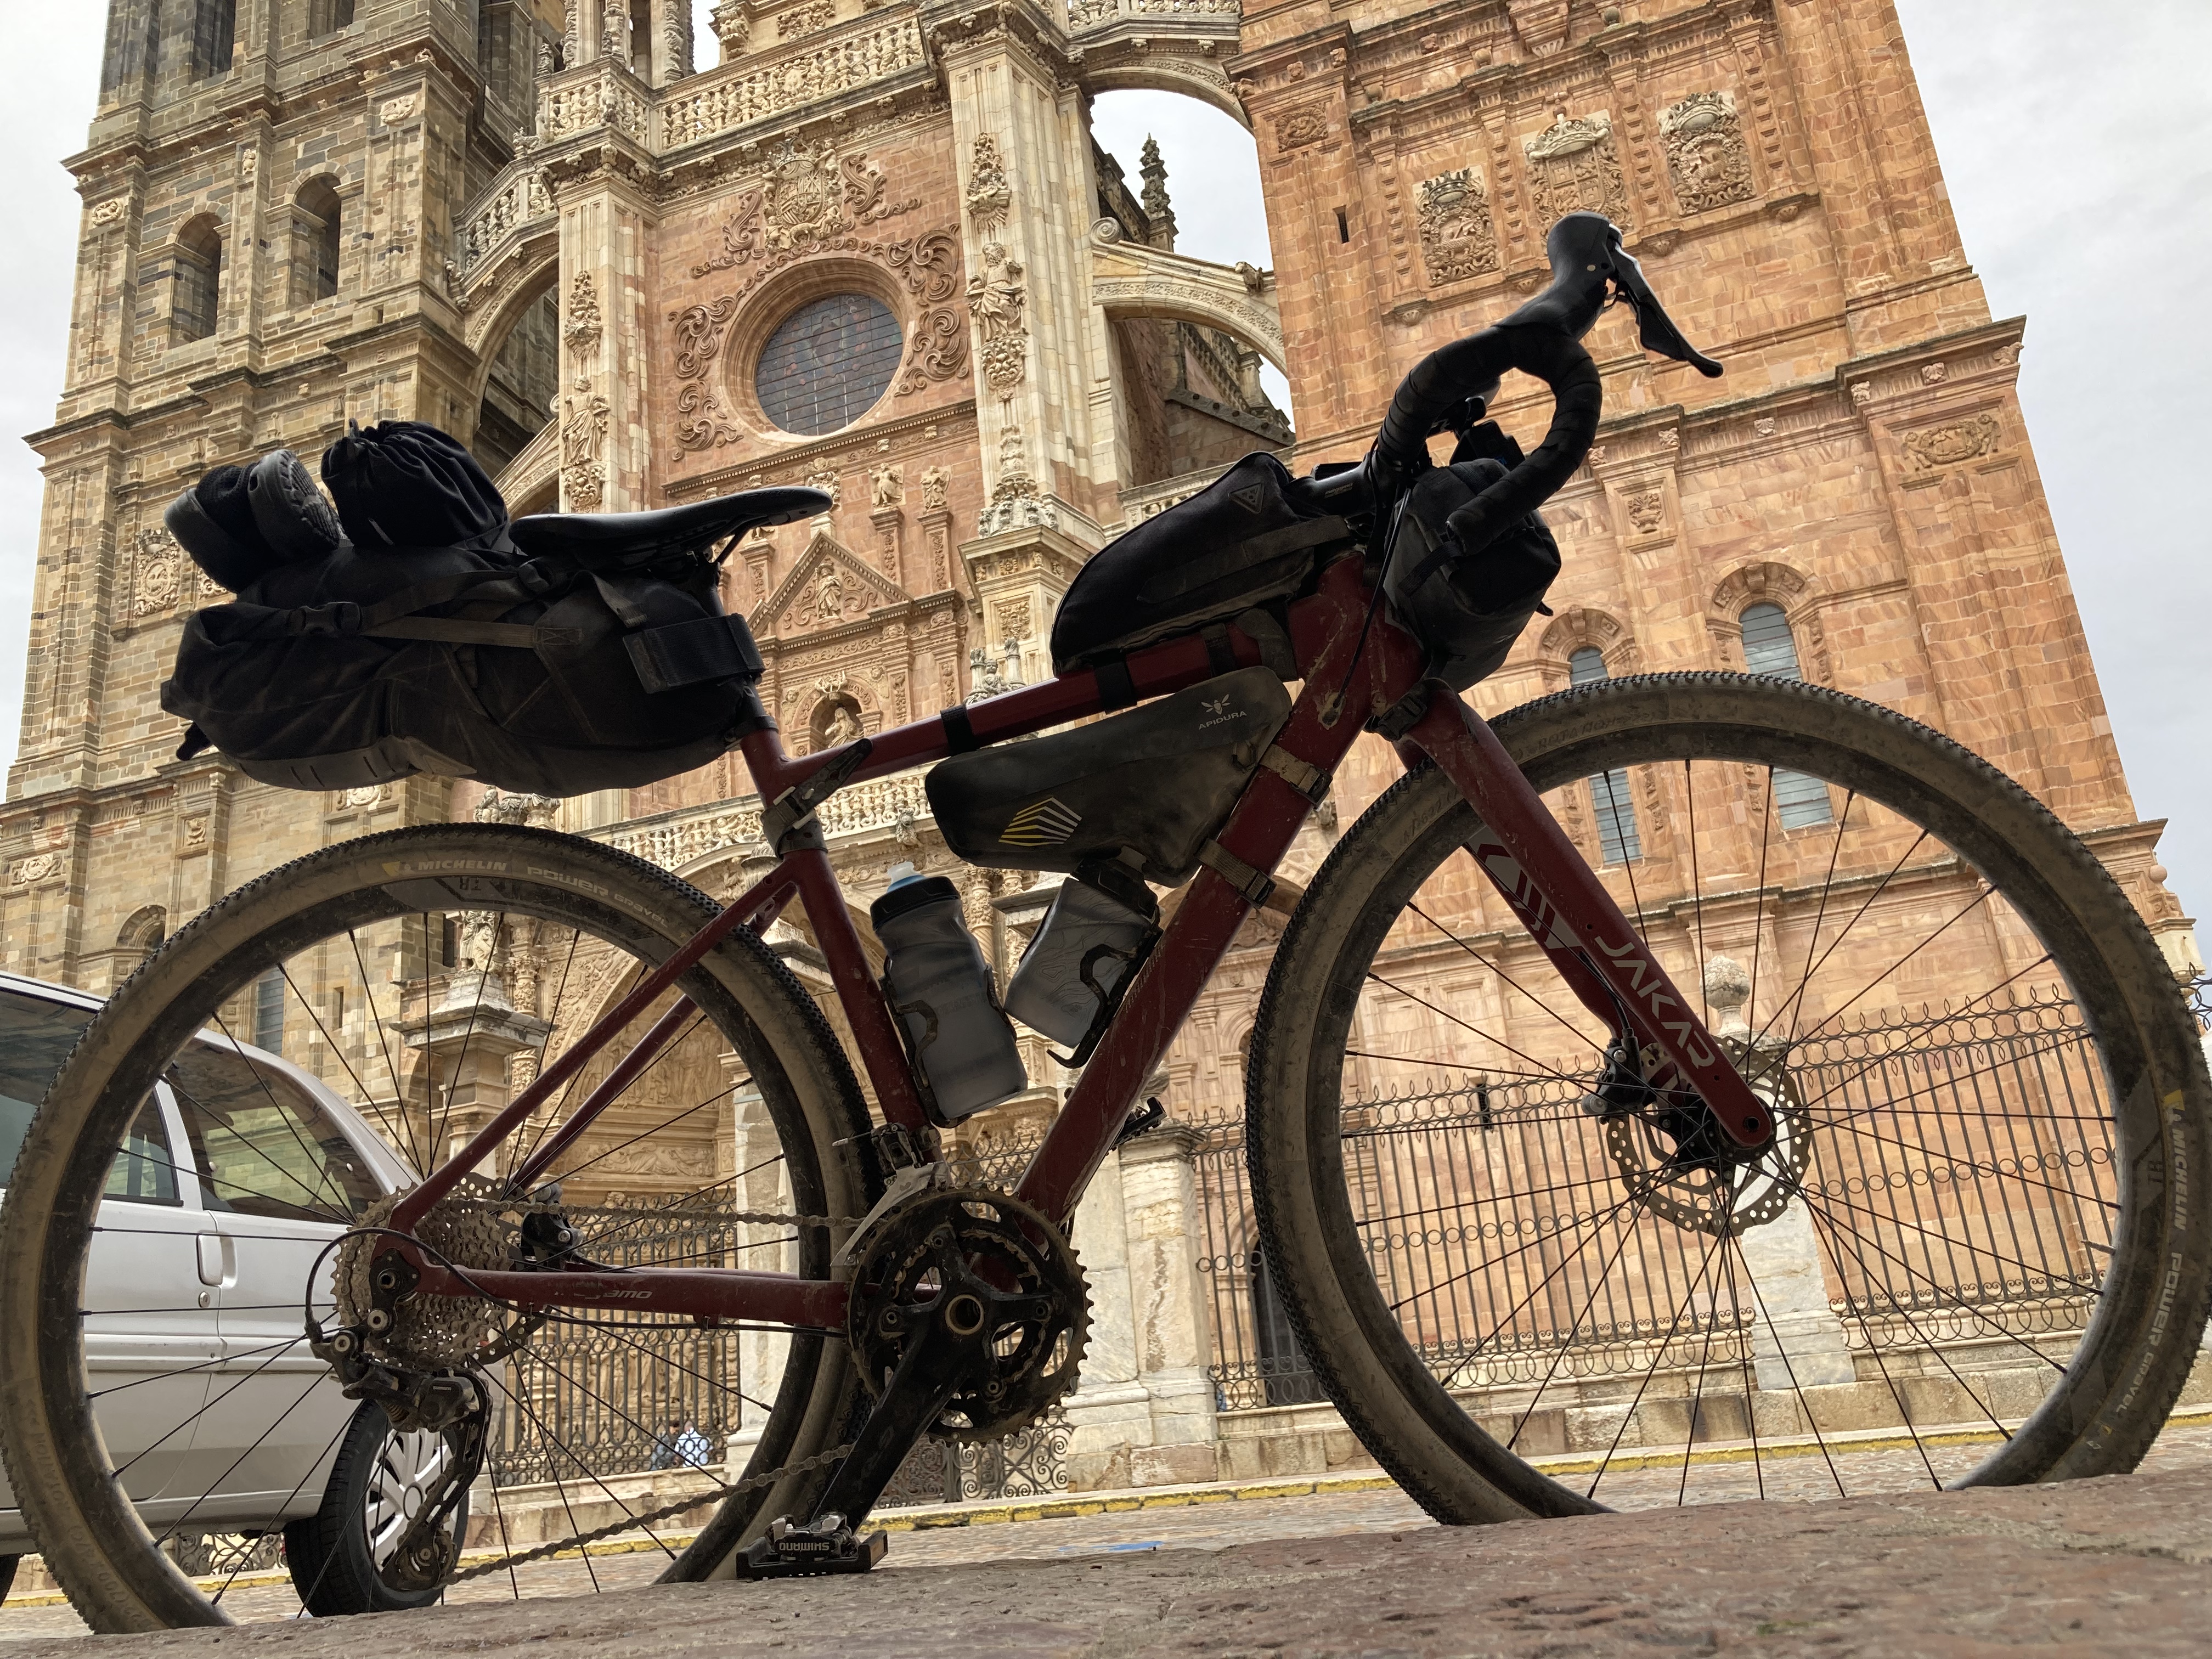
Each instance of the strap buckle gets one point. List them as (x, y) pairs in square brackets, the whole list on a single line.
[(1253, 885), (339, 616), (1303, 776)]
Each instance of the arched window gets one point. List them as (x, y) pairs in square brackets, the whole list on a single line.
[(214, 29), (318, 241), (1769, 648), (1617, 839), (198, 277)]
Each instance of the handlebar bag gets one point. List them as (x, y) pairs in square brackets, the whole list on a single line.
[(1467, 606), (1240, 541), (1156, 782), (372, 663)]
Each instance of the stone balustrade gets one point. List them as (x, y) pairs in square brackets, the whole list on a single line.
[(517, 201), (684, 840), (756, 89)]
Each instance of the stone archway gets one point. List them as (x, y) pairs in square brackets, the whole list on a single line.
[(1127, 280)]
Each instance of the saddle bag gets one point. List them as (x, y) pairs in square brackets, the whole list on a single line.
[(1148, 787), (1468, 605), (355, 660)]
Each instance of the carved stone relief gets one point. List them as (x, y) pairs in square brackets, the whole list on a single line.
[(1300, 127), (1948, 445), (156, 573), (1706, 156), (806, 20), (808, 195), (997, 301), (933, 490), (1573, 167), (1646, 510), (583, 433), (583, 330), (887, 486), (989, 193), (1458, 239)]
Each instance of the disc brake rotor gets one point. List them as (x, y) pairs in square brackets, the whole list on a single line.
[(1672, 1160), (1034, 1358)]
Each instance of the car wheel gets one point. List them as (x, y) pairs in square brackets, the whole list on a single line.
[(345, 1557)]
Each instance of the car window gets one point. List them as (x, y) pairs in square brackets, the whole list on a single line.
[(35, 1036), (263, 1144), (145, 1170)]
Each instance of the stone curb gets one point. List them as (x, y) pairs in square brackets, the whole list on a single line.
[(931, 1517)]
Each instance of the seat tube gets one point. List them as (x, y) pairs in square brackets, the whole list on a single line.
[(1567, 911)]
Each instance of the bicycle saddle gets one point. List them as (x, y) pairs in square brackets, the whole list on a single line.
[(627, 536)]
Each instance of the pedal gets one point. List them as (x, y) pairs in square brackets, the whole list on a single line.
[(827, 1545)]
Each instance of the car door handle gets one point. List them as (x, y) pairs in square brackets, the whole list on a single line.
[(218, 1260)]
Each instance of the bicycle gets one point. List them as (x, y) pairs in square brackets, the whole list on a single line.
[(2046, 1301)]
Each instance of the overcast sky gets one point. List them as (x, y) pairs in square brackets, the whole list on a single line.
[(2077, 141)]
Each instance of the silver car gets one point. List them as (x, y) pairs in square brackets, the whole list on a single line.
[(224, 1428)]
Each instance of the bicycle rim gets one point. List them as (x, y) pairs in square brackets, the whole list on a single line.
[(1961, 1261), (409, 984)]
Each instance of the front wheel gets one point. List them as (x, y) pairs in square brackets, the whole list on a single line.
[(1970, 1255)]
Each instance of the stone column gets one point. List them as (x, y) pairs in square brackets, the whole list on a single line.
[(1171, 1318), (1799, 1343), (468, 1040), (763, 1247), (1109, 1410)]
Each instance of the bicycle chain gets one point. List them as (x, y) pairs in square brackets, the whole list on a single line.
[(631, 1521)]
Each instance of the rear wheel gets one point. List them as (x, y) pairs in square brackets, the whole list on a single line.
[(1968, 1256), (417, 979)]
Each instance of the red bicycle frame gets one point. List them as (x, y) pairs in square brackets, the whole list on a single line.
[(1356, 666)]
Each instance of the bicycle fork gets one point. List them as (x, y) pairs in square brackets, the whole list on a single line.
[(1559, 899)]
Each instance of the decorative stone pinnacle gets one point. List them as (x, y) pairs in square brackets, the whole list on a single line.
[(1160, 212)]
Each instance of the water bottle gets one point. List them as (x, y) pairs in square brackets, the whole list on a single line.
[(1099, 920), (940, 987)]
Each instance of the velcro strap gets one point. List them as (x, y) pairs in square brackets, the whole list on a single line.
[(960, 737), (707, 648), (1220, 655), (445, 630), (1254, 885), (1303, 776), (1116, 688)]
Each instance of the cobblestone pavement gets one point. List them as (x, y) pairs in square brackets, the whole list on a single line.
[(1213, 1550)]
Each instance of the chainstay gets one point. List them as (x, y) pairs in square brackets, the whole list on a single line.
[(630, 1523)]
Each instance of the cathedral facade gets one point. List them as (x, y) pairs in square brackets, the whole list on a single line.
[(872, 245)]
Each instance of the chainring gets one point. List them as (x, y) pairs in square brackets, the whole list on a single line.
[(1720, 1194), (1034, 1361)]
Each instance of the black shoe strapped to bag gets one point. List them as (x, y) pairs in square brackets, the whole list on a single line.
[(556, 655)]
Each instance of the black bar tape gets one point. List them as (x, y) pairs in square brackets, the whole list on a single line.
[(1116, 688), (1220, 655), (960, 737)]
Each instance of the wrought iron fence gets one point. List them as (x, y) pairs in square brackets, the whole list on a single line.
[(599, 1399), (1959, 1156)]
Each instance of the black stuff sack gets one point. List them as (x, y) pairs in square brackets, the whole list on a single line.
[(1465, 606), (405, 484), (557, 674)]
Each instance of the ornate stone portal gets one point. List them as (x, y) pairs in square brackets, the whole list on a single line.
[(1017, 361)]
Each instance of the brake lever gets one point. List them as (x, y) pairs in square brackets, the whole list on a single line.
[(1655, 329)]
